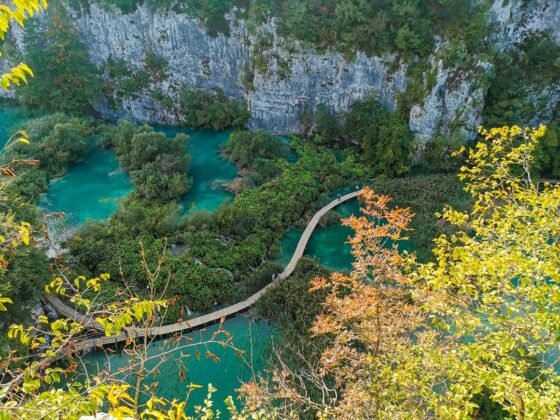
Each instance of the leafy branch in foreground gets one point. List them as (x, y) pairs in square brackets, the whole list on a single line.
[(18, 11), (477, 328)]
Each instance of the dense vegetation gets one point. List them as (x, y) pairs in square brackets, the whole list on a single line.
[(226, 255), (379, 345), (67, 81), (255, 153), (536, 61), (55, 142), (375, 27), (158, 167), (211, 109), (481, 319), (382, 138)]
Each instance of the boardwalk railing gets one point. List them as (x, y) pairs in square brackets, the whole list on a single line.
[(191, 324)]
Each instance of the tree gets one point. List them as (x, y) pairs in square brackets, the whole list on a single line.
[(158, 166), (68, 81), (212, 109), (476, 329), (384, 137)]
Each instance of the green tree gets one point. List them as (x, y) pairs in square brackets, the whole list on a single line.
[(246, 147), (68, 81), (384, 137), (211, 109), (158, 166)]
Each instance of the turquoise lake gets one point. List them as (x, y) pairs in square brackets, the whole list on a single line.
[(327, 244), (254, 338), (91, 190), (209, 171)]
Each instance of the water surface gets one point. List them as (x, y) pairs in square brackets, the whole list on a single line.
[(90, 190), (254, 338), (12, 119), (210, 172), (327, 244)]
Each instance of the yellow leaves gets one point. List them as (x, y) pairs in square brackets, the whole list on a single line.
[(25, 233), (16, 76), (129, 312), (22, 10), (19, 13), (153, 412), (117, 397), (56, 285), (21, 136), (3, 301), (19, 332)]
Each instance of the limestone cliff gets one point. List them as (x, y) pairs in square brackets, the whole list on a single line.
[(294, 77)]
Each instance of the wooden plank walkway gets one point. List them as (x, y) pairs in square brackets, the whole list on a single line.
[(191, 324)]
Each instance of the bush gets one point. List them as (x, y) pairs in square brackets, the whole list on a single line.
[(211, 109), (57, 141), (158, 167), (155, 65), (384, 137), (247, 148)]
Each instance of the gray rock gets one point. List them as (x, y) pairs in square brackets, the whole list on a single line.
[(277, 97)]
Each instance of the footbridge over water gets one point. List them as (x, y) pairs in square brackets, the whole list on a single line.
[(132, 333)]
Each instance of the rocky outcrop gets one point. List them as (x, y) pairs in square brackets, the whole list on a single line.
[(513, 20), (199, 60), (295, 77)]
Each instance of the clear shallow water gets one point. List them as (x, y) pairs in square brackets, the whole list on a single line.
[(209, 171), (253, 337), (90, 190), (327, 244)]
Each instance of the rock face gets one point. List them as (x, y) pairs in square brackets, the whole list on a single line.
[(295, 78), (198, 60)]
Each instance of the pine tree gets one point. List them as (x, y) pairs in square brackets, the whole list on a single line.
[(67, 81)]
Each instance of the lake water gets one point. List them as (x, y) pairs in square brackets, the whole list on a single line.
[(209, 171), (91, 190), (327, 244), (12, 119), (254, 338)]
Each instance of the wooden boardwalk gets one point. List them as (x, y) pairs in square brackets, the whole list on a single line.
[(201, 321)]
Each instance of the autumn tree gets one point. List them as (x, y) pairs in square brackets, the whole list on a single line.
[(480, 324)]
